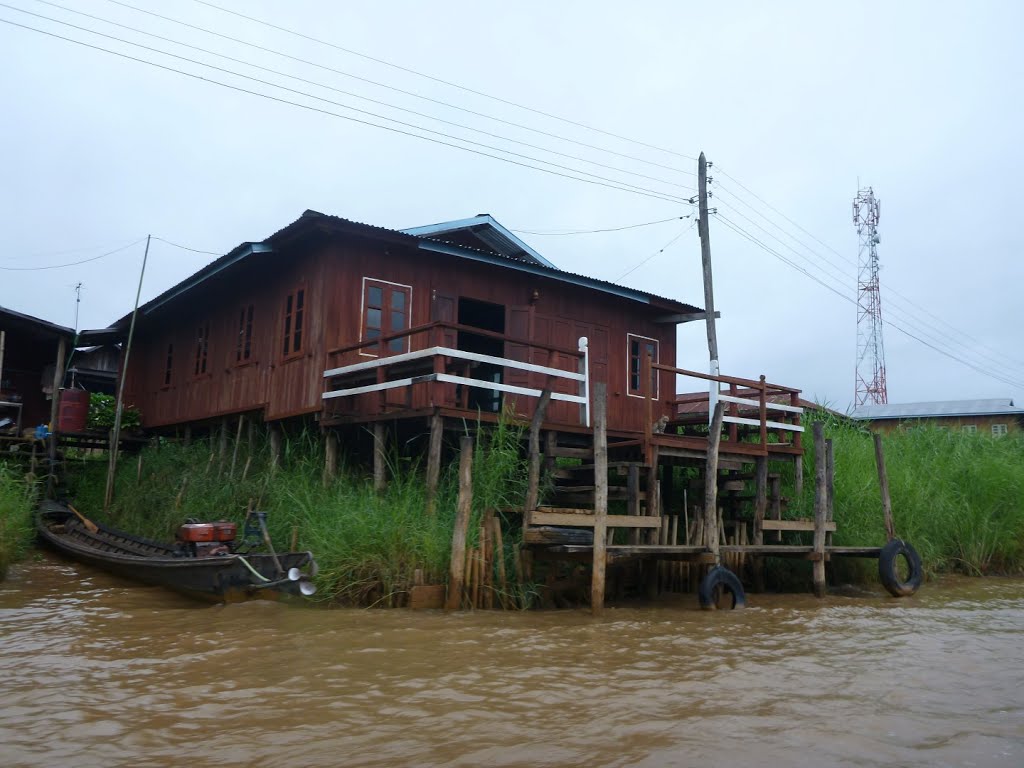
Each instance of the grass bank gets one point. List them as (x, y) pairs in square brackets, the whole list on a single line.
[(16, 503), (368, 545), (957, 497)]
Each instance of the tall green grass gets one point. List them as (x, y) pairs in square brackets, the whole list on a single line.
[(367, 545), (17, 495), (958, 498)]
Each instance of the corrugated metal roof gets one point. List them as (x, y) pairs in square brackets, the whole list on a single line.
[(993, 407), (488, 231), (36, 325), (311, 220)]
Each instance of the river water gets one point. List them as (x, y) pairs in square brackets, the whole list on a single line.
[(95, 671)]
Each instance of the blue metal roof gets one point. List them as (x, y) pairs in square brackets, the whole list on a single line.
[(489, 231), (993, 407)]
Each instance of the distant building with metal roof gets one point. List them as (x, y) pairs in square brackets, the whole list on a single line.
[(999, 416)]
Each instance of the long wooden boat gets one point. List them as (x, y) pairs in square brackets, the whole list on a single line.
[(228, 576)]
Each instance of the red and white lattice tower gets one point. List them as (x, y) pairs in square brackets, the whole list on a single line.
[(870, 385)]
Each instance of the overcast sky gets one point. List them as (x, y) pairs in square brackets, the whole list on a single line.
[(795, 101)]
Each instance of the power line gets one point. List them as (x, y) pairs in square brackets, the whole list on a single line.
[(594, 231), (318, 84), (997, 376), (600, 181), (47, 254), (976, 349), (186, 248), (405, 92), (73, 263), (438, 79), (661, 250), (1000, 353)]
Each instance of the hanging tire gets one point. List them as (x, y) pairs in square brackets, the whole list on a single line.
[(718, 579), (887, 571)]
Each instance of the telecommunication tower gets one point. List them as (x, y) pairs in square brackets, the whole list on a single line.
[(870, 379)]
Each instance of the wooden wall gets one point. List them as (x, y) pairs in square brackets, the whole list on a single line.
[(543, 309)]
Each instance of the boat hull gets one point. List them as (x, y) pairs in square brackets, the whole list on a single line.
[(221, 578)]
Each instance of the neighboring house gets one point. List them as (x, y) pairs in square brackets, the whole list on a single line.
[(29, 349), (994, 417)]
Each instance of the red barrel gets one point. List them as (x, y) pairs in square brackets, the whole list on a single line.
[(73, 410)]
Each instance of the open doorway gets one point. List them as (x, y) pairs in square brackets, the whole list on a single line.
[(487, 317)]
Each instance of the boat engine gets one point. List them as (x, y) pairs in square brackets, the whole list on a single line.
[(207, 539)]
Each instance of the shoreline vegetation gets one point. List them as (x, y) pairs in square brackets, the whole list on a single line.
[(957, 497)]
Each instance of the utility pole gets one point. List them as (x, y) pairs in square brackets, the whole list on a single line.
[(709, 291), (78, 301), (115, 437)]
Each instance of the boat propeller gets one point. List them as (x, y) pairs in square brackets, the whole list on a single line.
[(306, 587)]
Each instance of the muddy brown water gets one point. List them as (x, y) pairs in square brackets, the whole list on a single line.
[(95, 671)]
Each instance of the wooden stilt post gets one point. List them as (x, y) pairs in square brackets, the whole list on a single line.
[(775, 483), (330, 456), (58, 382), (883, 484), (457, 568), (222, 445), (434, 458), (499, 558), (760, 507), (820, 508), (379, 457), (599, 403), (275, 447), (830, 488), (633, 499), (138, 469), (711, 521), (798, 475), (533, 476), (188, 435)]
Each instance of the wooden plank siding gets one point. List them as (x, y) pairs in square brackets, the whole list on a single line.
[(331, 272)]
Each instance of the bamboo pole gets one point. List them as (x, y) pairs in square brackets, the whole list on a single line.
[(238, 440), (465, 506), (499, 557)]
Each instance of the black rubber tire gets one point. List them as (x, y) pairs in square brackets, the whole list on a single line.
[(720, 578), (887, 568)]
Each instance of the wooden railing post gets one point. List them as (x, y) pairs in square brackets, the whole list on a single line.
[(883, 484), (645, 375), (763, 414), (820, 508), (600, 551)]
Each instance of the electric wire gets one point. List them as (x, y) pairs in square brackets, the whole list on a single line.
[(1000, 353), (405, 92), (970, 357), (661, 250), (438, 79), (318, 84), (73, 263), (597, 180), (595, 231), (993, 375), (187, 248)]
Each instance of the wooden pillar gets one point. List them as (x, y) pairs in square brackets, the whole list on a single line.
[(798, 477), (599, 403), (434, 458), (820, 508), (760, 507), (58, 381), (633, 499), (330, 456), (187, 440), (653, 493), (775, 508), (830, 488), (275, 447), (550, 443), (883, 484), (533, 474), (711, 523), (457, 567), (222, 447), (379, 457)]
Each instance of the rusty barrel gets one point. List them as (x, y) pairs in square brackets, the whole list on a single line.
[(73, 410)]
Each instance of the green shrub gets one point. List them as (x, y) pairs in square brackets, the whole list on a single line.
[(16, 502), (102, 409)]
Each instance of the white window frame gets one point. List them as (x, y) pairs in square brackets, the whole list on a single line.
[(362, 311), (657, 359), (970, 428), (998, 430)]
